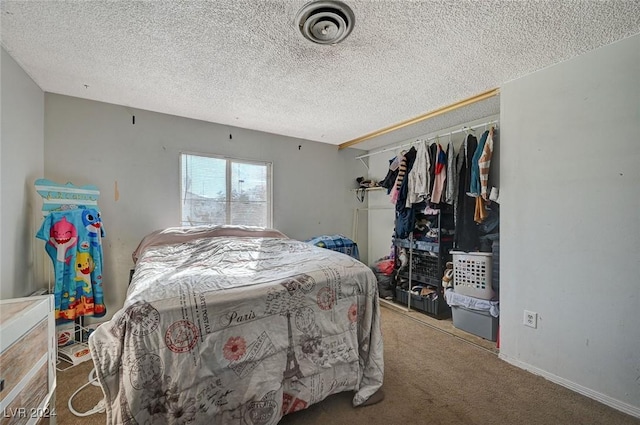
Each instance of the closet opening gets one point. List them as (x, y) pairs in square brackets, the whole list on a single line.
[(434, 228)]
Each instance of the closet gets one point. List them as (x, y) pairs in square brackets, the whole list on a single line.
[(457, 217)]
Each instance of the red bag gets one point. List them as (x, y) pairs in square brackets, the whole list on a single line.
[(385, 267)]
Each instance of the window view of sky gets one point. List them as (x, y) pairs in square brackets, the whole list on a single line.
[(206, 176), (207, 197), (203, 176)]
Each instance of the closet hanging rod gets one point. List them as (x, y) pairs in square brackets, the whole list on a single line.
[(449, 133), (435, 113)]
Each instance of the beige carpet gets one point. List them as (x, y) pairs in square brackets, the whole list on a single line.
[(434, 374)]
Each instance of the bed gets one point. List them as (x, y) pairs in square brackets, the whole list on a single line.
[(237, 325)]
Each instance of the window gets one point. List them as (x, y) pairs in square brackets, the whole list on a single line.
[(217, 190)]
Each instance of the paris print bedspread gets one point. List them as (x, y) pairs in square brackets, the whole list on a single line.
[(239, 330)]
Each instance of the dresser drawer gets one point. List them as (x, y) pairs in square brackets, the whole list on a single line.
[(26, 406), (27, 359), (19, 358)]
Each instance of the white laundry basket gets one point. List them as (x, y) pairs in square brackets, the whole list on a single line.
[(472, 274)]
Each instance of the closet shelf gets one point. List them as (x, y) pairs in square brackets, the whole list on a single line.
[(368, 189)]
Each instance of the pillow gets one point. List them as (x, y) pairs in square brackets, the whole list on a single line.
[(184, 234)]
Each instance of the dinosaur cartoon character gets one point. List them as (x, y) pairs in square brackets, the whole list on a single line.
[(93, 223), (63, 235), (84, 267)]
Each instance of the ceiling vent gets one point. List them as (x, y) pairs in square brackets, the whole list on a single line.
[(325, 22)]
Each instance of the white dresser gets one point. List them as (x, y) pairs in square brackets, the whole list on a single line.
[(27, 360)]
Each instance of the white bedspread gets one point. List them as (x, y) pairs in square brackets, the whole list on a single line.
[(239, 330)]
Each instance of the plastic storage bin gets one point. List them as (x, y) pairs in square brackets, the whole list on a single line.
[(472, 274), (424, 268), (437, 307), (476, 322)]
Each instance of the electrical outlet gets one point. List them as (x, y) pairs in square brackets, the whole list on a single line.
[(531, 319)]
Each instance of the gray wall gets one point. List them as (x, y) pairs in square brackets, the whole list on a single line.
[(570, 223), (88, 142), (22, 162)]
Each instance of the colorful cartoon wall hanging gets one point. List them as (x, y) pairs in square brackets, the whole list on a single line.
[(73, 231)]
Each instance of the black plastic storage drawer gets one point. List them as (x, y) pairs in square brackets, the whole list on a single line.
[(437, 307), (426, 265), (424, 268)]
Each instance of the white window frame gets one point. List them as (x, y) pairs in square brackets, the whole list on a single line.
[(229, 161)]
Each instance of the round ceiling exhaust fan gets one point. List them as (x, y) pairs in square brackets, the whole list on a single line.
[(325, 22)]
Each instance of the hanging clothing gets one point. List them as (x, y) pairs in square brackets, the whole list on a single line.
[(402, 182), (433, 159), (480, 213), (74, 243), (405, 216), (452, 181), (460, 164), (484, 164), (419, 180), (403, 190), (440, 175), (474, 188), (390, 179), (402, 170), (466, 231)]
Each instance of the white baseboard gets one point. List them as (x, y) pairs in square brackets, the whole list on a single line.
[(604, 399)]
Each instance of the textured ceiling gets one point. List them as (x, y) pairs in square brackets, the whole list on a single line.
[(244, 63)]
